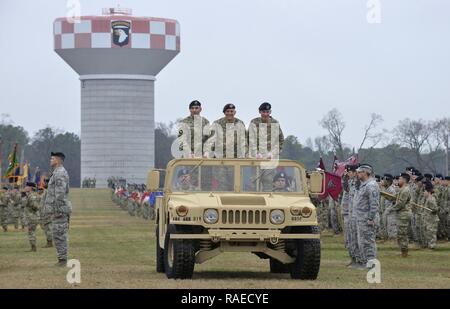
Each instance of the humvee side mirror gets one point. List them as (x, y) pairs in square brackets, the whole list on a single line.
[(317, 182), (153, 180)]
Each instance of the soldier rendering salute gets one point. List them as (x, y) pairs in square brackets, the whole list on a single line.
[(61, 208)]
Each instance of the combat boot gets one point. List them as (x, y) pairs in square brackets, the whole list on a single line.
[(61, 263), (49, 244), (33, 248), (404, 253)]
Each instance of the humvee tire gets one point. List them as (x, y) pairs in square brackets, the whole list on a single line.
[(276, 267), (307, 262), (179, 256), (159, 253)]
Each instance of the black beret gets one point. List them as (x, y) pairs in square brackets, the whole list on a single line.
[(182, 172), (195, 103), (447, 178), (406, 176), (351, 168), (265, 107), (279, 175), (378, 177), (388, 176), (228, 106), (5, 188), (428, 186), (428, 176), (419, 178), (410, 169), (397, 177), (439, 176), (30, 184), (58, 154)]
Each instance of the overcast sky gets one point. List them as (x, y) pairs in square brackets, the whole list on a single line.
[(305, 57)]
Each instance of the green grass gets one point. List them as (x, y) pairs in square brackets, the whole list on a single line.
[(118, 251)]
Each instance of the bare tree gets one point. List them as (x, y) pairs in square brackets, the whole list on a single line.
[(323, 145), (413, 134), (441, 134), (369, 134), (335, 125)]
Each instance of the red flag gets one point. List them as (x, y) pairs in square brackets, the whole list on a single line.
[(333, 186), (340, 166), (321, 165)]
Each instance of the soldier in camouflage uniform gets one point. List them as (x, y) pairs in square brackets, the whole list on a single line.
[(366, 208), (439, 192), (192, 132), (229, 135), (61, 208), (402, 208), (32, 208), (4, 197), (268, 147), (265, 148), (430, 219), (46, 219), (333, 208), (388, 216), (354, 249), (347, 183), (416, 220), (23, 216), (14, 205), (322, 215), (446, 204)]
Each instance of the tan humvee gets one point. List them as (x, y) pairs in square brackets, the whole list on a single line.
[(210, 206)]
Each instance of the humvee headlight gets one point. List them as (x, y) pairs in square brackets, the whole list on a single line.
[(210, 216), (277, 216), (306, 212), (182, 210), (295, 211)]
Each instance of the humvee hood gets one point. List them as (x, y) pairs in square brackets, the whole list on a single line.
[(238, 200)]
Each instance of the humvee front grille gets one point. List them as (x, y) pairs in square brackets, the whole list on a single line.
[(244, 216)]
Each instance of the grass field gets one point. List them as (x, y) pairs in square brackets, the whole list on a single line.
[(118, 251)]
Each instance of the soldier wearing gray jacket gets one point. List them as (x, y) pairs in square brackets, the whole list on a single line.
[(366, 207), (61, 208)]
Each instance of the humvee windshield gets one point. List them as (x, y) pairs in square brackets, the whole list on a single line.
[(214, 178)]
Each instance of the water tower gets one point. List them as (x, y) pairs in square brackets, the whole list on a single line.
[(117, 56)]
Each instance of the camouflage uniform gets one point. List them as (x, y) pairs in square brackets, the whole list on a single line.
[(223, 145), (354, 249), (61, 209), (186, 135), (430, 222), (23, 215), (413, 229), (389, 217), (32, 207), (440, 193), (403, 215), (334, 215), (4, 197), (46, 220), (366, 208), (322, 216), (256, 146), (346, 183), (14, 205)]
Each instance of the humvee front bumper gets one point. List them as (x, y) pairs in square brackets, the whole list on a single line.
[(216, 235)]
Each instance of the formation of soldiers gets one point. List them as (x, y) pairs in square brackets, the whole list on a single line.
[(89, 183), (46, 205), (133, 198), (25, 207), (412, 208)]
